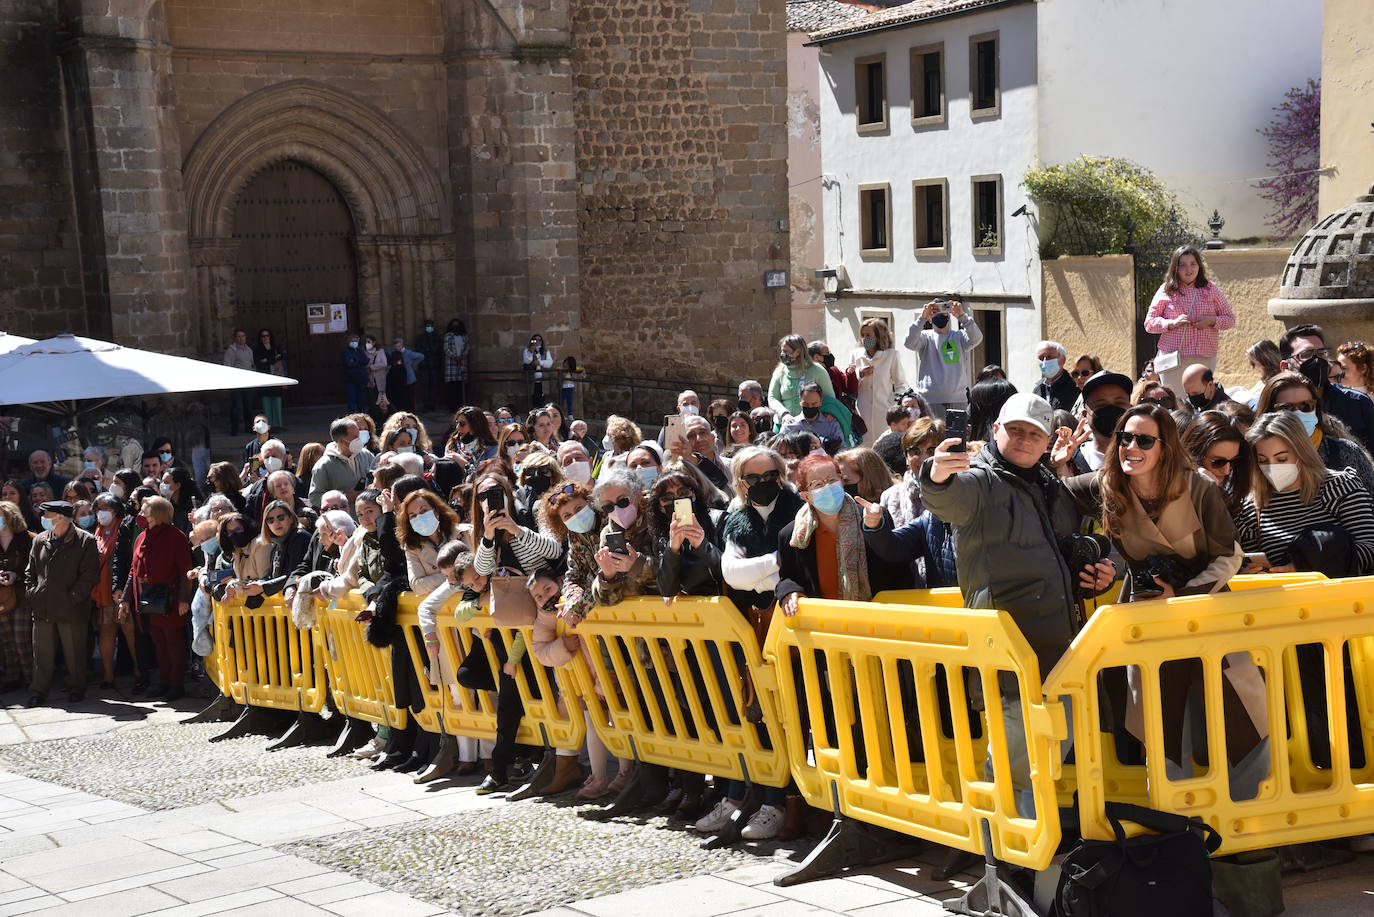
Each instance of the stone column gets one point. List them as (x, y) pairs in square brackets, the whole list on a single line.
[(126, 168), (212, 293)]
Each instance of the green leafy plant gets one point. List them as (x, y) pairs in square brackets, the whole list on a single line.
[(1092, 205), (987, 236)]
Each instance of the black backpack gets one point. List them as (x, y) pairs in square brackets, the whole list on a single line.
[(1168, 873)]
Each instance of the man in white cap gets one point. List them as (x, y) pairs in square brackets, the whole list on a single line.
[(1009, 511)]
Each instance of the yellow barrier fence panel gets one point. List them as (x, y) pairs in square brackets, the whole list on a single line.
[(667, 682), (218, 663), (465, 712), (271, 662), (875, 715), (1295, 662), (359, 673)]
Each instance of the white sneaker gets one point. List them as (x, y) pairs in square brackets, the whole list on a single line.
[(766, 823), (717, 818), (370, 750)]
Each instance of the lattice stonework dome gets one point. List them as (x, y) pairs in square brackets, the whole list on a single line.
[(1330, 274)]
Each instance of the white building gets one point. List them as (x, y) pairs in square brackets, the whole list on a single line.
[(932, 112)]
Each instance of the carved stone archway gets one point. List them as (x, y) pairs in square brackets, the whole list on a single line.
[(405, 252)]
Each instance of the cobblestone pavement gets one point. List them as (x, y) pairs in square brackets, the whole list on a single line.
[(130, 814)]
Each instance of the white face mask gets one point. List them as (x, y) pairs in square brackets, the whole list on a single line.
[(260, 427), (272, 463), (578, 472), (1280, 476), (117, 490), (165, 489), (104, 517), (689, 410), (405, 448), (359, 443)]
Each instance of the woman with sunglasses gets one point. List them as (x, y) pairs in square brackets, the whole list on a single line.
[(1218, 450), (627, 564), (903, 499), (1338, 450), (1152, 505), (688, 549), (286, 545), (1172, 527)]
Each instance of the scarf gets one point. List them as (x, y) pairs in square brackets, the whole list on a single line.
[(853, 560)]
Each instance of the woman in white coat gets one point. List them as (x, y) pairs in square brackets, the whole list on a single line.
[(876, 367)]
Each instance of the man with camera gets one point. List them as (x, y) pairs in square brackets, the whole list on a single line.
[(942, 353), (1010, 511)]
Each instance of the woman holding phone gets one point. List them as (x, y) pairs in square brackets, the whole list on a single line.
[(1187, 313), (536, 360), (686, 532), (504, 542)]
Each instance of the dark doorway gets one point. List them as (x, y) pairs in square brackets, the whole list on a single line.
[(295, 237)]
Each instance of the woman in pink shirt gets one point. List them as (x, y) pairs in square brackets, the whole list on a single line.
[(1187, 312)]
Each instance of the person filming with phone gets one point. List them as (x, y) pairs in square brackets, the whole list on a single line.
[(943, 352), (1009, 511)]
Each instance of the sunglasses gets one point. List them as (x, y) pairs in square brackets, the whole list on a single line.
[(1219, 462), (753, 480), (926, 451), (280, 517), (668, 496), (1305, 407), (618, 504), (1081, 373), (1144, 440)]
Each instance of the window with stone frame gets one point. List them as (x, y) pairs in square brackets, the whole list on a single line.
[(987, 214), (930, 217), (928, 85), (875, 221), (870, 90), (984, 75)]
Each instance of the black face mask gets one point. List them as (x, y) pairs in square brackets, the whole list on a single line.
[(763, 425), (852, 489), (1199, 400), (1105, 419), (722, 424), (828, 360), (810, 413), (239, 539), (743, 406), (539, 482), (941, 320), (1316, 369), (764, 492)]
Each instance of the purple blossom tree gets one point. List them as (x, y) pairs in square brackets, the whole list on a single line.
[(1294, 156)]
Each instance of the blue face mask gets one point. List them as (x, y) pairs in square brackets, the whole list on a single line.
[(353, 344), (47, 523), (86, 522), (166, 457), (425, 524), (583, 521), (1309, 421), (828, 499), (1049, 369), (647, 475), (210, 546)]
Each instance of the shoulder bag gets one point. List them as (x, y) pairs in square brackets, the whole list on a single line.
[(154, 599), (511, 603)]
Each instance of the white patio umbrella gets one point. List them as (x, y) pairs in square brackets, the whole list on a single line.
[(68, 369), (10, 341)]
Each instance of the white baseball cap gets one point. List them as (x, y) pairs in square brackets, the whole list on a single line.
[(1030, 408)]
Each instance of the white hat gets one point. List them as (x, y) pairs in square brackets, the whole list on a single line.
[(1028, 407)]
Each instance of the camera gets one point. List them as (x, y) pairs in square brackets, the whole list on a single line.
[(1164, 566), (1079, 551)]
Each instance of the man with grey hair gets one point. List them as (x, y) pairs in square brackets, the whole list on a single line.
[(40, 469), (345, 462), (332, 500), (1056, 385), (750, 395)]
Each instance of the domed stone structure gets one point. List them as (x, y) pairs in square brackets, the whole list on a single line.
[(1329, 278)]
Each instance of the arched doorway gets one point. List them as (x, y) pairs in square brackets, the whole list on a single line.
[(295, 238)]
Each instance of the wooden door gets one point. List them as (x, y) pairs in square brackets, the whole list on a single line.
[(295, 237)]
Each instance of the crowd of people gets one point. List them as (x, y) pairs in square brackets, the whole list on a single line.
[(826, 483)]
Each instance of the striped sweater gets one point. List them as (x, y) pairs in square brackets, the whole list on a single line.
[(1341, 499)]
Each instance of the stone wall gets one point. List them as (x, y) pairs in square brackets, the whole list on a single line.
[(1088, 308), (680, 112), (40, 268), (804, 186), (1249, 278)]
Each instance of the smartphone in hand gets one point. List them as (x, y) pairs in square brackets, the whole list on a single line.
[(495, 499), (956, 427), (682, 511), (615, 543)]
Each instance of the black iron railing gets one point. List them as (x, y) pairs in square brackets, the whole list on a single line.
[(644, 399)]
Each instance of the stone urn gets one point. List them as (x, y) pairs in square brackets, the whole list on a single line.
[(1329, 278)]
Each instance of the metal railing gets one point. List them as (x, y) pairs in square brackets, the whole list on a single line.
[(649, 398)]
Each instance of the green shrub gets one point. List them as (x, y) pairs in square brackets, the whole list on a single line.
[(1085, 205)]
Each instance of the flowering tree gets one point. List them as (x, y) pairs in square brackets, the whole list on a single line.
[(1294, 141)]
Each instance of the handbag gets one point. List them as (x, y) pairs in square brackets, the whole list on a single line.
[(153, 599), (1144, 876), (511, 602)]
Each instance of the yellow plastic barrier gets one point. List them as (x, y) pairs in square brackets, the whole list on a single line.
[(267, 661), (671, 680), (1297, 802), (359, 673), (866, 696), (473, 713)]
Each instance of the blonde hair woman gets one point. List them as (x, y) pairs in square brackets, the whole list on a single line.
[(877, 369)]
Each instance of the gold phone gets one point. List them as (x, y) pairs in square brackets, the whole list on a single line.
[(682, 510)]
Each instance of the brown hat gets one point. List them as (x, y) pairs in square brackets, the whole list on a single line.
[(56, 506)]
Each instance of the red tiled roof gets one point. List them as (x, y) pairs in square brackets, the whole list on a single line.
[(900, 15)]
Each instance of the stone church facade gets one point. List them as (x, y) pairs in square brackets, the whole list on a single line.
[(611, 173)]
